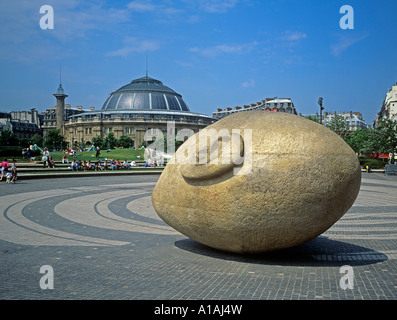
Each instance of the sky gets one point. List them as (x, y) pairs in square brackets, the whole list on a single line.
[(215, 53)]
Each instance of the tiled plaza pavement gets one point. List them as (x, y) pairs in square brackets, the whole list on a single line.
[(103, 240)]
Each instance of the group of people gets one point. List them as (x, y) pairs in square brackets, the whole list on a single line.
[(80, 165), (154, 162), (9, 171), (72, 152), (101, 165)]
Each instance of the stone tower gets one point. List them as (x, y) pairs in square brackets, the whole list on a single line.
[(60, 112)]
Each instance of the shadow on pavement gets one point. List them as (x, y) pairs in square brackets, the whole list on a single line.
[(321, 251)]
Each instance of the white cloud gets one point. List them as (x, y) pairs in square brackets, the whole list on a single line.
[(346, 42), (293, 36), (225, 48), (217, 6), (248, 84), (159, 9), (193, 19), (141, 6), (22, 39), (72, 19), (133, 44)]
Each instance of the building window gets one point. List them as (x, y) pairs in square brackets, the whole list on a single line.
[(108, 130), (88, 130), (129, 130)]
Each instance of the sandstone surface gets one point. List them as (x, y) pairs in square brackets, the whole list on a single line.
[(278, 180)]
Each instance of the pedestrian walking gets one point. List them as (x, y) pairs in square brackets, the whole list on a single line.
[(14, 171), (4, 168)]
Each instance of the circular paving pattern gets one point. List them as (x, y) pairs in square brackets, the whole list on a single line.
[(104, 240), (42, 217)]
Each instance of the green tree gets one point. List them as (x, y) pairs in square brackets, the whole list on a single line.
[(313, 118), (37, 139), (110, 141), (124, 141), (358, 140), (54, 139), (8, 138), (385, 137), (98, 142), (24, 142), (371, 144), (339, 125)]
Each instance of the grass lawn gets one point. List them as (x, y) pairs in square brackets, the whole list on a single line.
[(116, 154)]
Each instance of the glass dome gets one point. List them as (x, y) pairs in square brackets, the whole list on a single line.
[(145, 94)]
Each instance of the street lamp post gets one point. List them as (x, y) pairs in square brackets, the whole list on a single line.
[(320, 102)]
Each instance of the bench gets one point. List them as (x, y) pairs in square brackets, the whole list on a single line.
[(390, 169)]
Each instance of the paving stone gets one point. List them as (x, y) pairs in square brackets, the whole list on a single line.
[(104, 242)]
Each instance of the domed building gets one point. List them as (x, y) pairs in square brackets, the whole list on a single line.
[(145, 94), (142, 105)]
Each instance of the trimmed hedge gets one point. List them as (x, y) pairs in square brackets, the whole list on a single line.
[(372, 163)]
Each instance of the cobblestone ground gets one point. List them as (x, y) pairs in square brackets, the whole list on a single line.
[(103, 240)]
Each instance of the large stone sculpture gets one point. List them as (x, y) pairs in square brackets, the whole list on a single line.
[(258, 181)]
